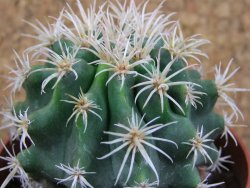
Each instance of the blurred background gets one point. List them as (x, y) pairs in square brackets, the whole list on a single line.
[(226, 23)]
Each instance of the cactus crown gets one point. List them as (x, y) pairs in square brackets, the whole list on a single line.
[(114, 101)]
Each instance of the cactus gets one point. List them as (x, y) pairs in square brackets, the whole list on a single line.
[(116, 100)]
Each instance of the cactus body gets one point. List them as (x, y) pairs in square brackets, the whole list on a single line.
[(119, 107)]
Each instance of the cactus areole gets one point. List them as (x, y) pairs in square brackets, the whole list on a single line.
[(115, 97)]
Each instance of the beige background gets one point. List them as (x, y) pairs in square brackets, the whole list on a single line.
[(226, 23)]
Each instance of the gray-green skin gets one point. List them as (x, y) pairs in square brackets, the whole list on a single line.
[(57, 143)]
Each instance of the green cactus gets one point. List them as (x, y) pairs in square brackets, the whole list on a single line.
[(116, 103)]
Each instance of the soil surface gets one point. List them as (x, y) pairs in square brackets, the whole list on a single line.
[(226, 23)]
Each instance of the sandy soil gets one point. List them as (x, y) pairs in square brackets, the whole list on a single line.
[(226, 23)]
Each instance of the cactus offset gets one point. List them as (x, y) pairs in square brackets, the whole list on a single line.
[(116, 103)]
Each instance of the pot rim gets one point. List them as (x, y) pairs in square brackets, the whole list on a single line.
[(246, 154)]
